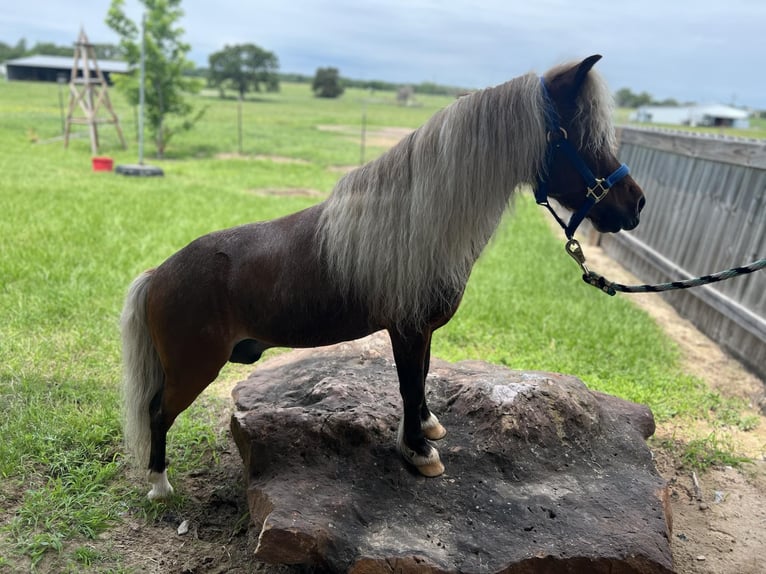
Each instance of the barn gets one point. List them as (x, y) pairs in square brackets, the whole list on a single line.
[(703, 115), (49, 68)]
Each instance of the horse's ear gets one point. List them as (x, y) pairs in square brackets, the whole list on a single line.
[(582, 71), (566, 84)]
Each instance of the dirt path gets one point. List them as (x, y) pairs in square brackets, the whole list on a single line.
[(719, 522)]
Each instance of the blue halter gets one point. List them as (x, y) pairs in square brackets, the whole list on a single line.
[(597, 188)]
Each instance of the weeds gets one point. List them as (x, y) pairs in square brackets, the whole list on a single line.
[(715, 449)]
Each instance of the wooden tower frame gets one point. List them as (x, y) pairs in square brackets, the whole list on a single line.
[(89, 91)]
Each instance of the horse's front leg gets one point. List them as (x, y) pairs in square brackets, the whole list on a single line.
[(432, 428), (411, 353)]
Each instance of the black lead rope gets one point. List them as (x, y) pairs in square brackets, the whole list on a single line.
[(611, 288)]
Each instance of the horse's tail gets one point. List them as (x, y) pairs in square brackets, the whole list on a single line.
[(143, 375)]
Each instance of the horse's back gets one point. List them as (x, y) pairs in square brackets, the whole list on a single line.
[(263, 281)]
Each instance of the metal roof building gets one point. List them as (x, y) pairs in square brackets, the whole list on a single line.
[(49, 68), (704, 115)]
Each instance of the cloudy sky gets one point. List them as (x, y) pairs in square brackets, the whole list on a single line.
[(704, 51)]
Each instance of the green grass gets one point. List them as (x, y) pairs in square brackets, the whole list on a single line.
[(549, 322), (71, 241), (713, 449)]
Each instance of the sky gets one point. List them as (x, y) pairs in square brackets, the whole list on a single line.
[(704, 51)]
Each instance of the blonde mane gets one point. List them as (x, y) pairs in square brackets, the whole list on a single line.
[(407, 228)]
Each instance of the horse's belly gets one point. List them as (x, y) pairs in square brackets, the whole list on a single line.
[(310, 323)]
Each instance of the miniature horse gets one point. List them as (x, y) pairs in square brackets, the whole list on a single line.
[(391, 248)]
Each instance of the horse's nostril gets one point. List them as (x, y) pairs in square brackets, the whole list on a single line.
[(641, 203)]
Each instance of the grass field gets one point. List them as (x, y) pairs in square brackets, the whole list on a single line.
[(71, 240)]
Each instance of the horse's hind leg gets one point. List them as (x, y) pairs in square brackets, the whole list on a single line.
[(410, 353), (185, 379), (158, 474)]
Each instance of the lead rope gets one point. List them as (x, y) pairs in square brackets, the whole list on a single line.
[(611, 288)]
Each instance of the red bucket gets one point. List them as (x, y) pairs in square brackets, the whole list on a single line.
[(103, 164)]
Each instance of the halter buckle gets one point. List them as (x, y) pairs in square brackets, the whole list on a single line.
[(594, 191), (555, 135)]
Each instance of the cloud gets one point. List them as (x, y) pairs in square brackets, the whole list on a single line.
[(705, 51)]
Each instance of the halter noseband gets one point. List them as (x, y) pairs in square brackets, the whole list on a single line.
[(597, 188)]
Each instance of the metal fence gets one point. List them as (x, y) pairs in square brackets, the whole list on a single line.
[(706, 211)]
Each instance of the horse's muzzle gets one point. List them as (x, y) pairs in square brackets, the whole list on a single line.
[(634, 221)]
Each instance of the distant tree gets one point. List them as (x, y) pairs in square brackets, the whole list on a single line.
[(669, 102), (108, 52), (296, 78), (244, 67), (374, 85), (437, 89), (166, 66), (327, 83), (51, 49), (377, 85), (625, 98), (8, 52), (643, 99)]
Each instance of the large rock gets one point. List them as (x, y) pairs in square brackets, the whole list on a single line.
[(542, 475)]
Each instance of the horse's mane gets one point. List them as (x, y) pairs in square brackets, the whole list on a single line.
[(407, 227)]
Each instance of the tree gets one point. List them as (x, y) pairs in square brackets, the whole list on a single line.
[(625, 98), (51, 49), (107, 52), (668, 102), (8, 52), (166, 108), (244, 67), (327, 83), (103, 51)]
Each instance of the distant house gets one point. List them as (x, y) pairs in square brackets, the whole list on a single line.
[(50, 68), (705, 115)]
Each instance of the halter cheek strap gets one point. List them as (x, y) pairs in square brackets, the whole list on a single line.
[(558, 140)]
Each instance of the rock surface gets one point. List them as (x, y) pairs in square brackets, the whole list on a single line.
[(543, 475)]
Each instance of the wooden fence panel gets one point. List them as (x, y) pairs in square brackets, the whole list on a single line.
[(705, 212)]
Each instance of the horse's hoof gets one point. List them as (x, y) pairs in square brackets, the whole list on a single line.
[(432, 469), (433, 429), (161, 487), (429, 465)]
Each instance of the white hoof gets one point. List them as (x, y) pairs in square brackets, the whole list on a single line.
[(429, 465), (161, 487), (432, 428)]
